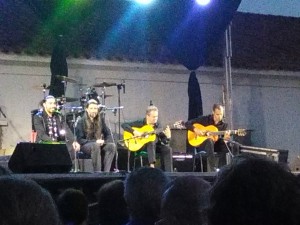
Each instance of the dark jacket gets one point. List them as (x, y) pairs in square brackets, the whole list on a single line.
[(81, 133), (40, 121)]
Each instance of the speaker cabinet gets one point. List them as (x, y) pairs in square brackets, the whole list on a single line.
[(182, 162), (178, 140), (40, 158)]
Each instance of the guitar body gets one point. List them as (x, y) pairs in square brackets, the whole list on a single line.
[(196, 140), (136, 143)]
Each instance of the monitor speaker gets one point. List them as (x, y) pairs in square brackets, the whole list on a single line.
[(178, 140), (40, 158)]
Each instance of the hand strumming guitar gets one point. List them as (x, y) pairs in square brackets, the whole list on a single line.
[(167, 132), (199, 132), (137, 133)]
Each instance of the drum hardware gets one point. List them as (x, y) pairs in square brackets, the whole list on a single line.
[(113, 109), (119, 87), (74, 108), (42, 86), (66, 99), (106, 96), (66, 79)]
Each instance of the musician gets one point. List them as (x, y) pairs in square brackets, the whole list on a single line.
[(209, 146), (160, 144), (93, 135), (50, 127)]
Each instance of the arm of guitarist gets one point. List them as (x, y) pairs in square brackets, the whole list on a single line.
[(128, 127), (190, 126), (165, 135)]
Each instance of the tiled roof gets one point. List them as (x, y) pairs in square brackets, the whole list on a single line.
[(90, 31)]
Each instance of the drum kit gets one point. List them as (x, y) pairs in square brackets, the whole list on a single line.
[(85, 95)]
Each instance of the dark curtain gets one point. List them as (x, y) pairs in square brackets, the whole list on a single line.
[(195, 103), (195, 98), (58, 66)]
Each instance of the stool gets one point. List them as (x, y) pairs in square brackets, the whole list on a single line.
[(85, 163), (202, 154), (139, 155)]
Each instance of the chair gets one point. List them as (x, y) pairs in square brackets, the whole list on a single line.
[(139, 155), (202, 155), (84, 162)]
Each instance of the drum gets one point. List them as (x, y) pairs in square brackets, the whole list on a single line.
[(90, 94)]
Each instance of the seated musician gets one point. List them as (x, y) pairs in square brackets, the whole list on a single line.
[(94, 136), (208, 145), (160, 144), (50, 127)]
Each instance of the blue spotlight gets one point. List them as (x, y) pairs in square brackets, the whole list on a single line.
[(144, 2), (203, 2)]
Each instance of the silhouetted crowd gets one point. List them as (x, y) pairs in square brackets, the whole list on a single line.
[(250, 191)]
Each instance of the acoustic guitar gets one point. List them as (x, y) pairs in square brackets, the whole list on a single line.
[(136, 143), (211, 132)]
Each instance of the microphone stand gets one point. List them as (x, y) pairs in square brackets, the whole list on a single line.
[(120, 86)]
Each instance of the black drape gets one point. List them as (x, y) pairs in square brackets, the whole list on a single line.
[(195, 98), (58, 66)]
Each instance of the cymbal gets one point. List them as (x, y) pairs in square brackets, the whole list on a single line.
[(66, 99), (105, 84), (67, 79), (82, 85)]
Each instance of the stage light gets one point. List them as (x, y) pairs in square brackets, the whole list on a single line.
[(144, 2), (203, 2)]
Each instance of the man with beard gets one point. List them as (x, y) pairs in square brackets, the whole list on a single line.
[(93, 136), (50, 127)]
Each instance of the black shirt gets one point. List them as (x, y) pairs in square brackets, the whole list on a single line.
[(206, 121)]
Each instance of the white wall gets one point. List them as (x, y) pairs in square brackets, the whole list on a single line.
[(265, 101)]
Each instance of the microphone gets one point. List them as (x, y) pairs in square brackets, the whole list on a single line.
[(101, 106), (123, 84)]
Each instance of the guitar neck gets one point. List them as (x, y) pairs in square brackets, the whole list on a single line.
[(222, 132)]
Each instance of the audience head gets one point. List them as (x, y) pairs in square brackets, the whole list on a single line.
[(144, 188), (111, 204), (25, 202), (185, 202), (254, 190), (4, 171), (72, 207)]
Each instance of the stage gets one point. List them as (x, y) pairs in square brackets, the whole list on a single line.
[(91, 182)]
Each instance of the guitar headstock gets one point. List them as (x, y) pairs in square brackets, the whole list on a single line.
[(241, 132), (179, 124)]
